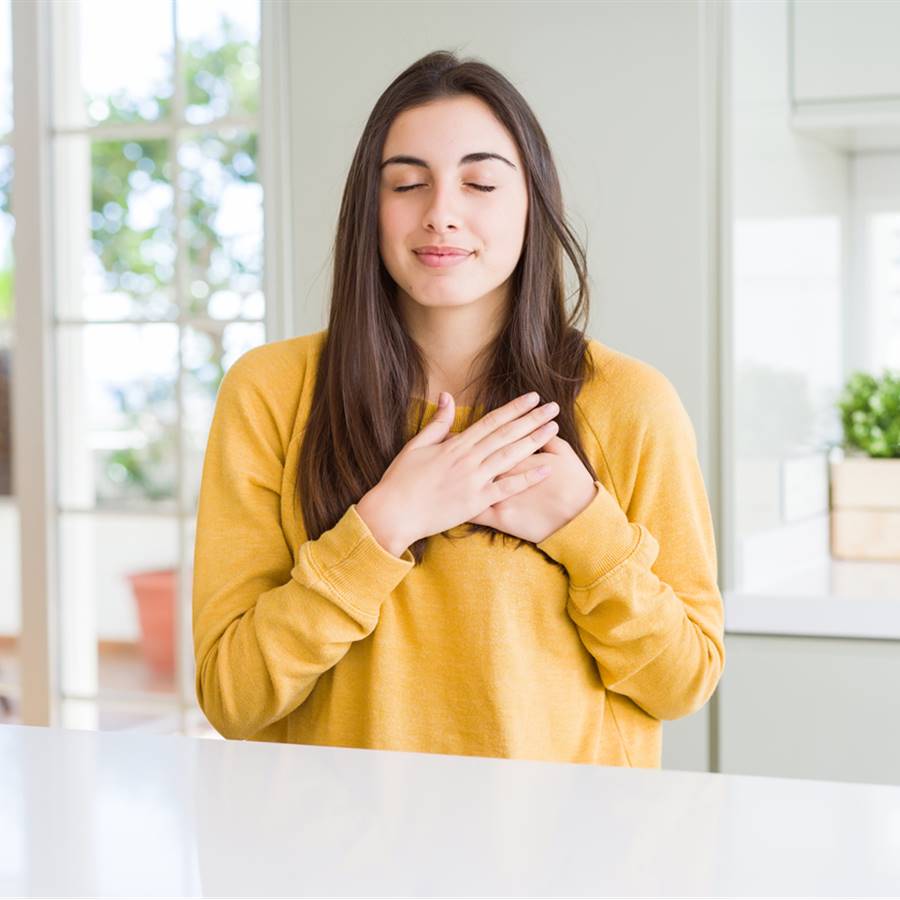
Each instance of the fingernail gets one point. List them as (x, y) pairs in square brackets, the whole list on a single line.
[(442, 400)]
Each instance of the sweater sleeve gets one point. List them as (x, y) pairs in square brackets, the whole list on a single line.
[(643, 582), (268, 621)]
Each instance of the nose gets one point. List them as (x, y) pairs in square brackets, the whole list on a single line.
[(439, 215)]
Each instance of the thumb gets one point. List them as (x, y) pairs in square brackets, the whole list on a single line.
[(436, 430)]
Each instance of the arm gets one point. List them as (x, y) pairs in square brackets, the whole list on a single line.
[(267, 624), (642, 584)]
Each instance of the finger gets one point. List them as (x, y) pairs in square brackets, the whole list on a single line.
[(555, 445), (505, 458), (505, 487), (493, 420), (532, 462), (519, 428), (439, 425)]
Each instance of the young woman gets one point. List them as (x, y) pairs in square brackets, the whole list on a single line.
[(450, 522)]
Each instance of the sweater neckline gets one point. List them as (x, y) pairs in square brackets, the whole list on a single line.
[(430, 404)]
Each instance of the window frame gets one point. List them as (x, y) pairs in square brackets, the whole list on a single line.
[(34, 331)]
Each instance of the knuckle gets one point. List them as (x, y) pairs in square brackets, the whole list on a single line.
[(506, 486), (508, 453)]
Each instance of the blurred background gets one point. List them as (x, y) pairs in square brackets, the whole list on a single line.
[(170, 176)]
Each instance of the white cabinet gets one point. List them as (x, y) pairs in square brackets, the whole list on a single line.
[(686, 741), (844, 71), (810, 708), (845, 50)]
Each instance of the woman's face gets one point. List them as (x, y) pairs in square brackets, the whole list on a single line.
[(431, 194)]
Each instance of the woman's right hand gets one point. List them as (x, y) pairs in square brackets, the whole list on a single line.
[(437, 482)]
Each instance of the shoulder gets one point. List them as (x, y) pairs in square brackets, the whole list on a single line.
[(631, 395), (265, 384), (281, 364)]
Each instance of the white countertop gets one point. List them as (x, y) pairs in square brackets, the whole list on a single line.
[(832, 598), (98, 813)]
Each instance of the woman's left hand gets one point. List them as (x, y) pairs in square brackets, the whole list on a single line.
[(538, 511)]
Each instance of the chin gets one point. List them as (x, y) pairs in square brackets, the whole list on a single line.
[(447, 298)]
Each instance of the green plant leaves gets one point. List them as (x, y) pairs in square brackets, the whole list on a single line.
[(870, 413)]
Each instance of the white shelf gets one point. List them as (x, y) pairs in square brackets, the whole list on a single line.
[(835, 598)]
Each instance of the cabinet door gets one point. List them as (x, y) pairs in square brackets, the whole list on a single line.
[(818, 708), (845, 50), (685, 745)]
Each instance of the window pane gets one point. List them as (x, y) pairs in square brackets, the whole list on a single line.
[(126, 54), (884, 281), (10, 589), (117, 601), (117, 415), (6, 110), (7, 228), (224, 228), (118, 232), (219, 42), (115, 228), (208, 350)]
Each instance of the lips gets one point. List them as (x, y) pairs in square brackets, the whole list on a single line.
[(442, 257), (442, 251)]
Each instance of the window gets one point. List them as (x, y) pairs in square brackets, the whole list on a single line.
[(157, 281), (884, 287), (9, 515)]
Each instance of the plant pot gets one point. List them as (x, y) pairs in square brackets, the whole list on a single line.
[(155, 593), (865, 508)]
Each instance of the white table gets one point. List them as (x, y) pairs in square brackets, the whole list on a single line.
[(99, 813)]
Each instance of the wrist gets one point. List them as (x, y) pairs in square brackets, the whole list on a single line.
[(374, 512)]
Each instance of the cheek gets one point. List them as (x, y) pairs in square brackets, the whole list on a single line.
[(390, 226), (503, 234)]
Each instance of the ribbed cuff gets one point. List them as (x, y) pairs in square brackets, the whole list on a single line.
[(355, 565), (593, 542)]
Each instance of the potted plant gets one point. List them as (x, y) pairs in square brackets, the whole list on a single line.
[(147, 472), (155, 592), (865, 470)]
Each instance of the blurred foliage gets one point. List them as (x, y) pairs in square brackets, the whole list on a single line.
[(870, 413), (6, 293), (148, 471), (137, 258), (140, 262), (6, 176)]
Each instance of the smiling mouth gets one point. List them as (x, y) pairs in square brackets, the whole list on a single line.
[(441, 260)]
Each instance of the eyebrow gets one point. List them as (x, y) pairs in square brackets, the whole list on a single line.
[(468, 158)]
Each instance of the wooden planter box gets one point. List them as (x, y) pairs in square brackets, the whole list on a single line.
[(865, 508)]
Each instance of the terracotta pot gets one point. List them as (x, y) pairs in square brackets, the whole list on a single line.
[(155, 593)]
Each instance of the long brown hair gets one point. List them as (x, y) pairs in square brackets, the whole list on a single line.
[(370, 369)]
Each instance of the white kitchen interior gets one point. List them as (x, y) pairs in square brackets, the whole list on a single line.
[(170, 176)]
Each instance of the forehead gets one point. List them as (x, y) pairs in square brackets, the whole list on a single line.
[(442, 131)]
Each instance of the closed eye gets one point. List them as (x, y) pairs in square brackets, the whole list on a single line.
[(409, 187)]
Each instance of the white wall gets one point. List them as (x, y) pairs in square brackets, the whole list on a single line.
[(876, 191), (621, 90), (615, 85)]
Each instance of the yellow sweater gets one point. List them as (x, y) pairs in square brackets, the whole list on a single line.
[(483, 650)]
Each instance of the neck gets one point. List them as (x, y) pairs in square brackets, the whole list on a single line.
[(451, 339)]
